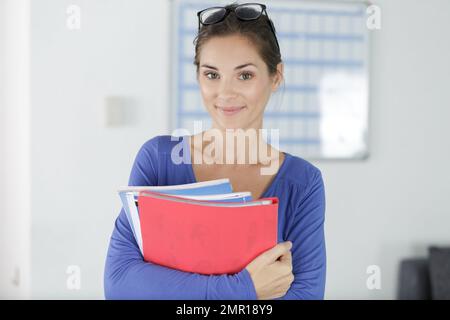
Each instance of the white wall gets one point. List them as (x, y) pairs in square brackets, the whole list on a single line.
[(14, 150), (395, 204), (77, 163), (391, 206), (3, 267)]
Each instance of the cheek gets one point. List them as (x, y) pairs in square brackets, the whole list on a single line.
[(258, 93), (207, 90)]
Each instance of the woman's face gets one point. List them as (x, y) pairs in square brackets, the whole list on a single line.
[(235, 83)]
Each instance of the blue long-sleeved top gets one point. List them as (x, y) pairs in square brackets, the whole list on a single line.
[(299, 186)]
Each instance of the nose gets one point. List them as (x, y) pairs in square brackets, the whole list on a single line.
[(227, 90)]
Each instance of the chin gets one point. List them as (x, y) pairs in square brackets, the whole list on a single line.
[(234, 125)]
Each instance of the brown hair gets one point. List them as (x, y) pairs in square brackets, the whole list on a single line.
[(257, 31)]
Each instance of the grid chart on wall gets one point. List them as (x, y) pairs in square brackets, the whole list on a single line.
[(321, 111)]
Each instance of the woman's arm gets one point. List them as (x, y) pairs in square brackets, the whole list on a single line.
[(308, 245), (128, 276)]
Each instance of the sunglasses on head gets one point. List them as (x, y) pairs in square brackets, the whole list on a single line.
[(244, 12)]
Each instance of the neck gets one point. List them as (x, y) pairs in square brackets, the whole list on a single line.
[(233, 146)]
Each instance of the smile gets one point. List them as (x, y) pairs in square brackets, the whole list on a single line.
[(230, 111)]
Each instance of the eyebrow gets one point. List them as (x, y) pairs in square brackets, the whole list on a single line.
[(238, 67)]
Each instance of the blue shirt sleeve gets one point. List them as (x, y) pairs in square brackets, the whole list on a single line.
[(128, 276), (308, 244)]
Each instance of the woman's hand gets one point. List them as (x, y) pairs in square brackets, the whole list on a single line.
[(271, 277)]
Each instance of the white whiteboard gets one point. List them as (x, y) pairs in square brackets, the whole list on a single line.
[(322, 110)]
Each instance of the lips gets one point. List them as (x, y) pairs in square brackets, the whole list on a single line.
[(233, 108), (230, 110)]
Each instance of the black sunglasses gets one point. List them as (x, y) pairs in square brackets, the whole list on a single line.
[(245, 12)]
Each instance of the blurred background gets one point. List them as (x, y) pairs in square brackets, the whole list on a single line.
[(84, 83)]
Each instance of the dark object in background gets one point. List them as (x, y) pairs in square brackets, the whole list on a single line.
[(414, 281), (439, 266), (426, 278)]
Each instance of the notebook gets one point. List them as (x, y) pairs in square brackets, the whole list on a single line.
[(206, 237), (213, 190)]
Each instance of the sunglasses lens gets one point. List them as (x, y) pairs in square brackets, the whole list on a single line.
[(249, 11), (212, 15)]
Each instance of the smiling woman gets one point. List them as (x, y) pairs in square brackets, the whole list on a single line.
[(238, 68), (238, 64), (229, 89)]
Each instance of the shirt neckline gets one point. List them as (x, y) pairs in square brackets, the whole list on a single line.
[(269, 187)]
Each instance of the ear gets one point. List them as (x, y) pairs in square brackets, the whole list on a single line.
[(278, 77)]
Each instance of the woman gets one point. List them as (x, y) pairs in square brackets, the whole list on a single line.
[(239, 65)]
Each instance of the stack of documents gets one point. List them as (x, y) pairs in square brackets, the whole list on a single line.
[(201, 227)]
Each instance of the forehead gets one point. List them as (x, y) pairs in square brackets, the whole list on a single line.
[(230, 51)]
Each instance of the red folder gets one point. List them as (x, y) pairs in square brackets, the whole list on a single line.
[(192, 236)]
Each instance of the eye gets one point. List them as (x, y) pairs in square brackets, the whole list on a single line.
[(246, 75), (213, 75)]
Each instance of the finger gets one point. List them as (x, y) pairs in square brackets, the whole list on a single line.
[(286, 257), (273, 254)]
